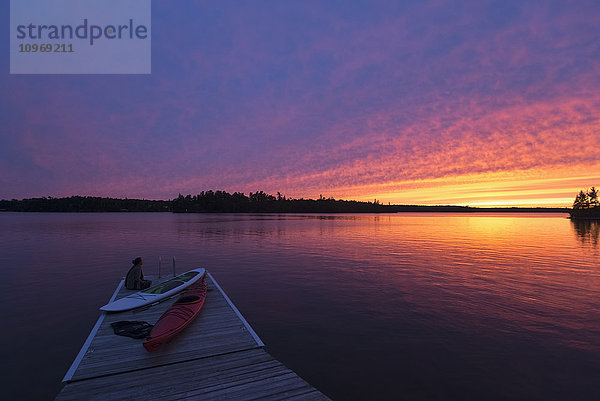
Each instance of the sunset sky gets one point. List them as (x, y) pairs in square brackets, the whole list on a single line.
[(410, 102)]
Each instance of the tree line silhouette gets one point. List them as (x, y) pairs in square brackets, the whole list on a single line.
[(84, 204), (260, 202), (237, 202), (586, 205)]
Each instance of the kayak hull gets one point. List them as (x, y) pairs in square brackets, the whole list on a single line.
[(155, 293), (177, 317)]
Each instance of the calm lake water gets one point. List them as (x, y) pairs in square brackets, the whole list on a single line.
[(403, 306)]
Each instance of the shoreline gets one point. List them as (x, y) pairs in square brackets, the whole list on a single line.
[(411, 209), (259, 202)]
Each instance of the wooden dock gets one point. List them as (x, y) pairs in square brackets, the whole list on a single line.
[(219, 356)]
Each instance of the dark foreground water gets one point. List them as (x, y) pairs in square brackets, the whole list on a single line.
[(404, 306)]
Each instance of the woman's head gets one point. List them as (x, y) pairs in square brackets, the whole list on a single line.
[(137, 261)]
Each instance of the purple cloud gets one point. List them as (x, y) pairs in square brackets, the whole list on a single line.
[(316, 97)]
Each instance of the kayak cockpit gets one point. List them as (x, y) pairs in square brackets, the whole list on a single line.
[(188, 299)]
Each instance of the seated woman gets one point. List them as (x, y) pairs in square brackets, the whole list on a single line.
[(135, 278)]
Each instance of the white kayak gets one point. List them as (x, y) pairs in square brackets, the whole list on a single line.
[(156, 293)]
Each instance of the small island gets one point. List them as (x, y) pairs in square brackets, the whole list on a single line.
[(586, 205)]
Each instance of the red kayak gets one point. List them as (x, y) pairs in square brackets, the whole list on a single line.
[(178, 316)]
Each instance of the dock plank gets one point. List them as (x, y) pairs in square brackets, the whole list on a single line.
[(219, 356), (241, 375)]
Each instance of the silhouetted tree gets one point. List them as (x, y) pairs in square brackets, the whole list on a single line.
[(581, 200), (593, 197)]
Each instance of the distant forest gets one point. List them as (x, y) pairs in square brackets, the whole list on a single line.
[(224, 202), (84, 204)]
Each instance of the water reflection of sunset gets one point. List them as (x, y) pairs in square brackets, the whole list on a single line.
[(392, 301), (587, 231), (513, 270)]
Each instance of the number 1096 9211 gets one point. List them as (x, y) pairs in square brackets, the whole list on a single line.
[(46, 48)]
